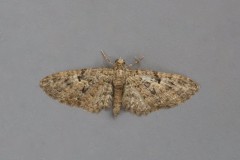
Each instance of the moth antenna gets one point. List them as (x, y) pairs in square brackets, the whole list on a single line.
[(136, 61), (106, 57)]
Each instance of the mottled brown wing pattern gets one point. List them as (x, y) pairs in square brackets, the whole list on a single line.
[(147, 91), (90, 89)]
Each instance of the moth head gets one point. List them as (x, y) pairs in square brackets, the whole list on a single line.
[(120, 62)]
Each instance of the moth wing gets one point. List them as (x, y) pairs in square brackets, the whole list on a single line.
[(90, 89), (147, 91)]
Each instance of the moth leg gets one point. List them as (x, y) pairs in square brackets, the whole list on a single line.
[(106, 58), (137, 60)]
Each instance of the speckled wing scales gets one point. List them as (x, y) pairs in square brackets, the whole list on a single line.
[(90, 89), (147, 91)]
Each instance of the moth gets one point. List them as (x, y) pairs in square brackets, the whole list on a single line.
[(137, 91)]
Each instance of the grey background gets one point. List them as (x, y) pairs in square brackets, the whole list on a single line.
[(199, 39)]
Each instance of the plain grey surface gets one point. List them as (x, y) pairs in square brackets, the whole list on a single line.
[(200, 39)]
